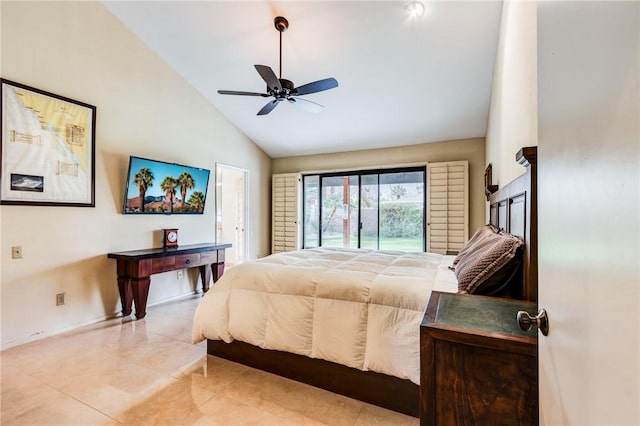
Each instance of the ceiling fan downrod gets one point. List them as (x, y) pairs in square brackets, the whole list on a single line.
[(281, 24)]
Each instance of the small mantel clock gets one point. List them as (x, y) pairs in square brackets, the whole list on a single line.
[(170, 238)]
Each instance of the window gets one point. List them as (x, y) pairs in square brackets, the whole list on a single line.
[(370, 209)]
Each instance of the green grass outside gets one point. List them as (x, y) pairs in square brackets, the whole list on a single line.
[(400, 244)]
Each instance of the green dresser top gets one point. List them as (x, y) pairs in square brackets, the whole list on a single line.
[(483, 313)]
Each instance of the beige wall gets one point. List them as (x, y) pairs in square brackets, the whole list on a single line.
[(513, 117), (472, 150), (79, 50)]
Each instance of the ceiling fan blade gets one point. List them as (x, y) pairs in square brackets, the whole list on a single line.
[(306, 105), (268, 107), (316, 86), (269, 77), (233, 92)]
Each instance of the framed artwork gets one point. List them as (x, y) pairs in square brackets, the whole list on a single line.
[(48, 148)]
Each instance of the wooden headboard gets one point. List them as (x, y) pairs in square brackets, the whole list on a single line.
[(514, 208)]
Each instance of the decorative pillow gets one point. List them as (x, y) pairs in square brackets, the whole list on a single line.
[(480, 235), (488, 267)]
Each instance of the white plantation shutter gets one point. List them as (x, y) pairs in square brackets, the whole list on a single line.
[(285, 192), (447, 206)]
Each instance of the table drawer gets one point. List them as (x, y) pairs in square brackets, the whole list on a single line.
[(209, 256), (162, 264), (187, 260)]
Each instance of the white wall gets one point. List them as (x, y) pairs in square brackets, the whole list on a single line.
[(79, 50), (589, 211), (513, 119)]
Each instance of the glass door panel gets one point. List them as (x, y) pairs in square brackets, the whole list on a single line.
[(311, 211), (353, 215), (369, 212), (402, 211), (339, 224)]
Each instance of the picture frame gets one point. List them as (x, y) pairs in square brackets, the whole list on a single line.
[(47, 147)]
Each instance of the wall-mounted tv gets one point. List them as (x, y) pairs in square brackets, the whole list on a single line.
[(157, 187)]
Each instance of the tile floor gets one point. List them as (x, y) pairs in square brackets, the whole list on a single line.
[(126, 372)]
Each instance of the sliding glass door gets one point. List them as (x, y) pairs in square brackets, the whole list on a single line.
[(373, 209)]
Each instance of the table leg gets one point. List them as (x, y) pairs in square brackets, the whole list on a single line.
[(140, 289), (218, 270), (126, 296), (205, 274)]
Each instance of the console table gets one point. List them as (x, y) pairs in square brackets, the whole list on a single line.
[(135, 268)]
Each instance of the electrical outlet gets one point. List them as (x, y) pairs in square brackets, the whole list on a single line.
[(16, 252), (180, 274), (60, 299)]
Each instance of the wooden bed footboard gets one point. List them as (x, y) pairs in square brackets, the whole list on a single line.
[(368, 386)]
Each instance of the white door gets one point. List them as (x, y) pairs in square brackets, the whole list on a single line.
[(589, 234), (231, 212)]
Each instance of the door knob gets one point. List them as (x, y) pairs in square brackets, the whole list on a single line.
[(526, 321)]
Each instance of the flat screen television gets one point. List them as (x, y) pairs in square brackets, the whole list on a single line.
[(157, 187)]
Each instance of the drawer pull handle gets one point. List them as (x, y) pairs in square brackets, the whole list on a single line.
[(188, 261)]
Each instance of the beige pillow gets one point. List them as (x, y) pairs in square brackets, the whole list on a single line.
[(488, 265)]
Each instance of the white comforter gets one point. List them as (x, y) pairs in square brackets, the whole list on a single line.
[(359, 308)]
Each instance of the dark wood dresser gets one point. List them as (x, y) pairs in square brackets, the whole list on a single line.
[(477, 367)]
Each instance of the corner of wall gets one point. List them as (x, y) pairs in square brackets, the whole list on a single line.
[(513, 115)]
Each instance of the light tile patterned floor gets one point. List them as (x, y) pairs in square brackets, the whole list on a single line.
[(127, 372)]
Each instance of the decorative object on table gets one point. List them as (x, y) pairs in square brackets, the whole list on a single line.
[(170, 238), (48, 148), (282, 89), (158, 187)]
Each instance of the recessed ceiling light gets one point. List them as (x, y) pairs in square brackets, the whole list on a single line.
[(415, 9)]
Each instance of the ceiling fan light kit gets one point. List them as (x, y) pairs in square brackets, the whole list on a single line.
[(282, 89)]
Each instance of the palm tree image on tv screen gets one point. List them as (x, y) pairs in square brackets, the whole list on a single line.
[(157, 187)]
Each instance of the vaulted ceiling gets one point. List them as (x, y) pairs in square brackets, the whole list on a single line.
[(402, 80)]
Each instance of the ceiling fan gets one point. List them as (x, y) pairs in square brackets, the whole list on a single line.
[(282, 89)]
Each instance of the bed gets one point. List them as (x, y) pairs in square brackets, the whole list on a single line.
[(348, 320)]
